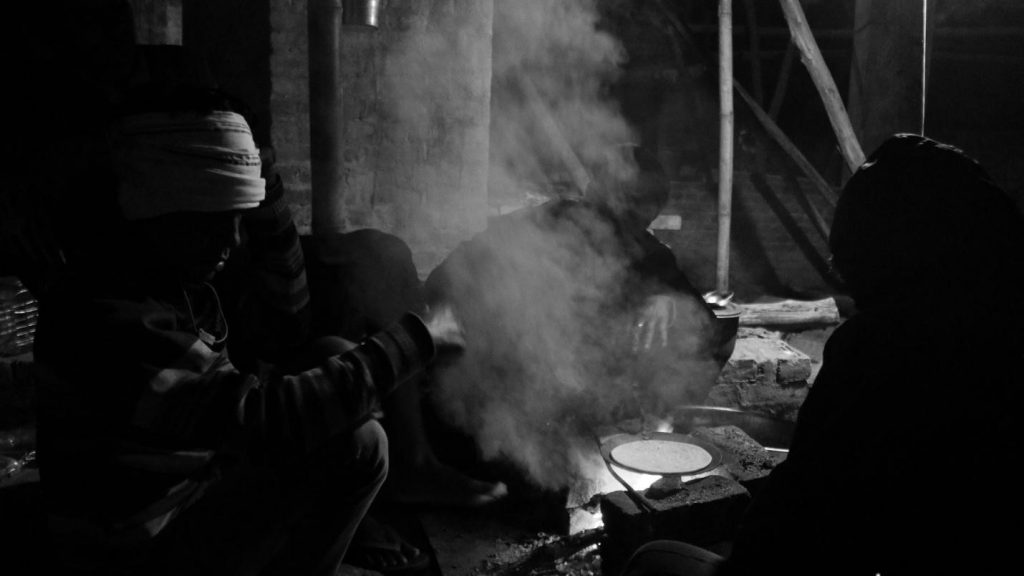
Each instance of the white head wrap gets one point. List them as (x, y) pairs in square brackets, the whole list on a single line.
[(170, 163)]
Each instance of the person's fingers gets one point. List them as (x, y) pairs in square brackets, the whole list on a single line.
[(649, 336)]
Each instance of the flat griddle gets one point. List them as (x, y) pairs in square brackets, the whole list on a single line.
[(609, 444), (663, 439)]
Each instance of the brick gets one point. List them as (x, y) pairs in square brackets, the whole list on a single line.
[(778, 402), (705, 511), (745, 460), (766, 360)]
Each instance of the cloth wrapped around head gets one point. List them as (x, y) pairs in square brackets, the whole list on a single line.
[(186, 162)]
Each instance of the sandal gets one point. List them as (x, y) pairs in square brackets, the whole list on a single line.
[(380, 548)]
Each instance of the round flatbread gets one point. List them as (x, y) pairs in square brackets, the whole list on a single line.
[(661, 456)]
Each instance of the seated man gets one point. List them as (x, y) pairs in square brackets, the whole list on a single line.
[(298, 299), (579, 316), (157, 455), (899, 460)]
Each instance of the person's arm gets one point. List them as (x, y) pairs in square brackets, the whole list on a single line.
[(158, 385), (295, 414), (266, 280)]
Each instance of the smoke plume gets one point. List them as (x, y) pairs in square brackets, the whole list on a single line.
[(551, 115), (548, 296)]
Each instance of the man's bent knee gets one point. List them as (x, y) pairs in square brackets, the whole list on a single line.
[(368, 449)]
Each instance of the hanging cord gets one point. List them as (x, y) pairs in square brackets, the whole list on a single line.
[(924, 60), (206, 337)]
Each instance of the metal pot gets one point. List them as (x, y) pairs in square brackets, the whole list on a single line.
[(727, 324), (772, 433)]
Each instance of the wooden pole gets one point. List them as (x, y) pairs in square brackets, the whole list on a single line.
[(766, 121), (555, 136), (815, 63), (753, 39), (725, 150), (788, 147)]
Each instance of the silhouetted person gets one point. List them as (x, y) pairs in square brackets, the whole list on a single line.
[(899, 463)]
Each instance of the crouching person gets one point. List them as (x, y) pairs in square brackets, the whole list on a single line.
[(158, 456)]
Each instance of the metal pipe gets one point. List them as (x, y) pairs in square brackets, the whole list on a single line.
[(325, 113)]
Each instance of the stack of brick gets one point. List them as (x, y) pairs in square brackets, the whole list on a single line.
[(765, 375), (704, 511)]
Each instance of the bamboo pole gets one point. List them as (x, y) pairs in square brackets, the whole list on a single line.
[(725, 150), (815, 63), (788, 147), (769, 125)]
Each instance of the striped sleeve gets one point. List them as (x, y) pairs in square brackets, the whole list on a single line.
[(294, 414), (268, 281)]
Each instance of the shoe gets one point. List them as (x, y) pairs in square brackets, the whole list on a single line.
[(380, 548)]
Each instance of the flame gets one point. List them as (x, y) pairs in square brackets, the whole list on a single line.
[(581, 520), (603, 482)]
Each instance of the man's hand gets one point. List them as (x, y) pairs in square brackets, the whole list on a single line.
[(651, 330), (445, 329)]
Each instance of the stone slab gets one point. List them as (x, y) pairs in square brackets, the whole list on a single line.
[(704, 511), (745, 460)]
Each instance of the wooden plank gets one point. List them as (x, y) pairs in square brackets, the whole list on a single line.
[(946, 31), (822, 312), (554, 134)]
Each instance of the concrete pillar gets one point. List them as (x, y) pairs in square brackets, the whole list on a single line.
[(417, 120)]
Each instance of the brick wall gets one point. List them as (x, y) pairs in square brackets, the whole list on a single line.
[(289, 102)]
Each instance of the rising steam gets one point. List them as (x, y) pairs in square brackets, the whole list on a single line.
[(550, 113), (549, 304)]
